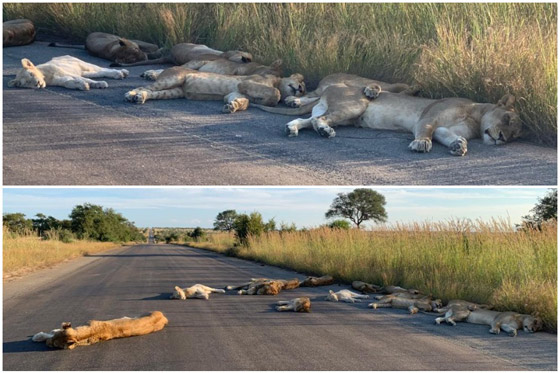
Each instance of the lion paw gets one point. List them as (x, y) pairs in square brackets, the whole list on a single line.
[(458, 147), (291, 131), (229, 108), (83, 86), (326, 131), (292, 101), (149, 75), (422, 146), (100, 85), (372, 91), (135, 97)]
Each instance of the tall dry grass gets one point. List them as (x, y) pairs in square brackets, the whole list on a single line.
[(216, 241), (477, 261), (22, 254), (475, 50)]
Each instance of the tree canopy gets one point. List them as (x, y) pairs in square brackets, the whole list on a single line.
[(360, 205)]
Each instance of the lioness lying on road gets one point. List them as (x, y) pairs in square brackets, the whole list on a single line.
[(18, 32), (224, 67), (64, 71), (424, 303), (365, 288), (264, 286), (196, 291), (186, 52), (97, 331), (236, 91), (311, 281), (302, 304), (509, 322), (115, 48), (450, 121), (345, 296), (463, 303)]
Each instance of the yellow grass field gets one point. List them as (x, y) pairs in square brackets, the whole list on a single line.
[(476, 261), (23, 254)]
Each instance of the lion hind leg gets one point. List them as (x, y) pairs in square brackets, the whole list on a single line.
[(284, 308), (235, 101), (42, 336)]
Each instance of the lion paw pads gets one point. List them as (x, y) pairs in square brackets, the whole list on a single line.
[(372, 91), (458, 147), (422, 146)]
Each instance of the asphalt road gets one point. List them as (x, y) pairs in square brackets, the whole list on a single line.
[(61, 137), (233, 332)]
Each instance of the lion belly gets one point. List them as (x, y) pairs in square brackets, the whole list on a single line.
[(390, 114), (208, 84)]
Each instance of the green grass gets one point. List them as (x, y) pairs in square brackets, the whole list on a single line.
[(476, 261), (478, 51)]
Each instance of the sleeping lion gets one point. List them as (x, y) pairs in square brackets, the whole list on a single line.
[(196, 291), (96, 331), (302, 304)]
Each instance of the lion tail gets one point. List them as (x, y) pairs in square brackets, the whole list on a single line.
[(305, 109), (59, 45)]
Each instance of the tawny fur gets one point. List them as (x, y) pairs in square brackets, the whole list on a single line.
[(311, 281), (236, 91), (97, 331), (186, 52), (224, 67), (509, 322), (302, 304), (264, 286), (18, 32), (345, 296), (365, 288), (196, 291), (450, 121), (65, 71), (425, 303)]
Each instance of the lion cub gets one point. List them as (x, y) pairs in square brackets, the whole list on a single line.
[(302, 304), (196, 291)]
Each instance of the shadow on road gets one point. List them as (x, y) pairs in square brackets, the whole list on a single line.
[(25, 345)]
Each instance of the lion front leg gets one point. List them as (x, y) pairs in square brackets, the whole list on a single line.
[(259, 93), (151, 74), (235, 101), (422, 137), (106, 73), (457, 144), (293, 127), (141, 95), (71, 82)]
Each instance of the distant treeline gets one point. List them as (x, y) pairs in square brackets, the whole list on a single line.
[(86, 222)]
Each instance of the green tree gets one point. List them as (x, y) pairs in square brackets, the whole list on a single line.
[(197, 234), (249, 225), (339, 224), (171, 237), (285, 227), (225, 220), (17, 223), (545, 209), (42, 224), (360, 205)]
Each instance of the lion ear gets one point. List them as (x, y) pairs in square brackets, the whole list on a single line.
[(26, 63), (124, 42), (66, 325), (297, 77), (507, 101)]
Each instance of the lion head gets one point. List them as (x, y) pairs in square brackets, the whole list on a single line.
[(178, 294), (532, 324), (292, 86), (28, 77), (271, 288), (332, 296), (65, 338), (303, 305), (500, 123), (129, 52)]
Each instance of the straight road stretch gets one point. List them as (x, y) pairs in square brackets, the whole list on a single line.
[(234, 332)]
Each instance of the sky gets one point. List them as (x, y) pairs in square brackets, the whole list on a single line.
[(306, 207)]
